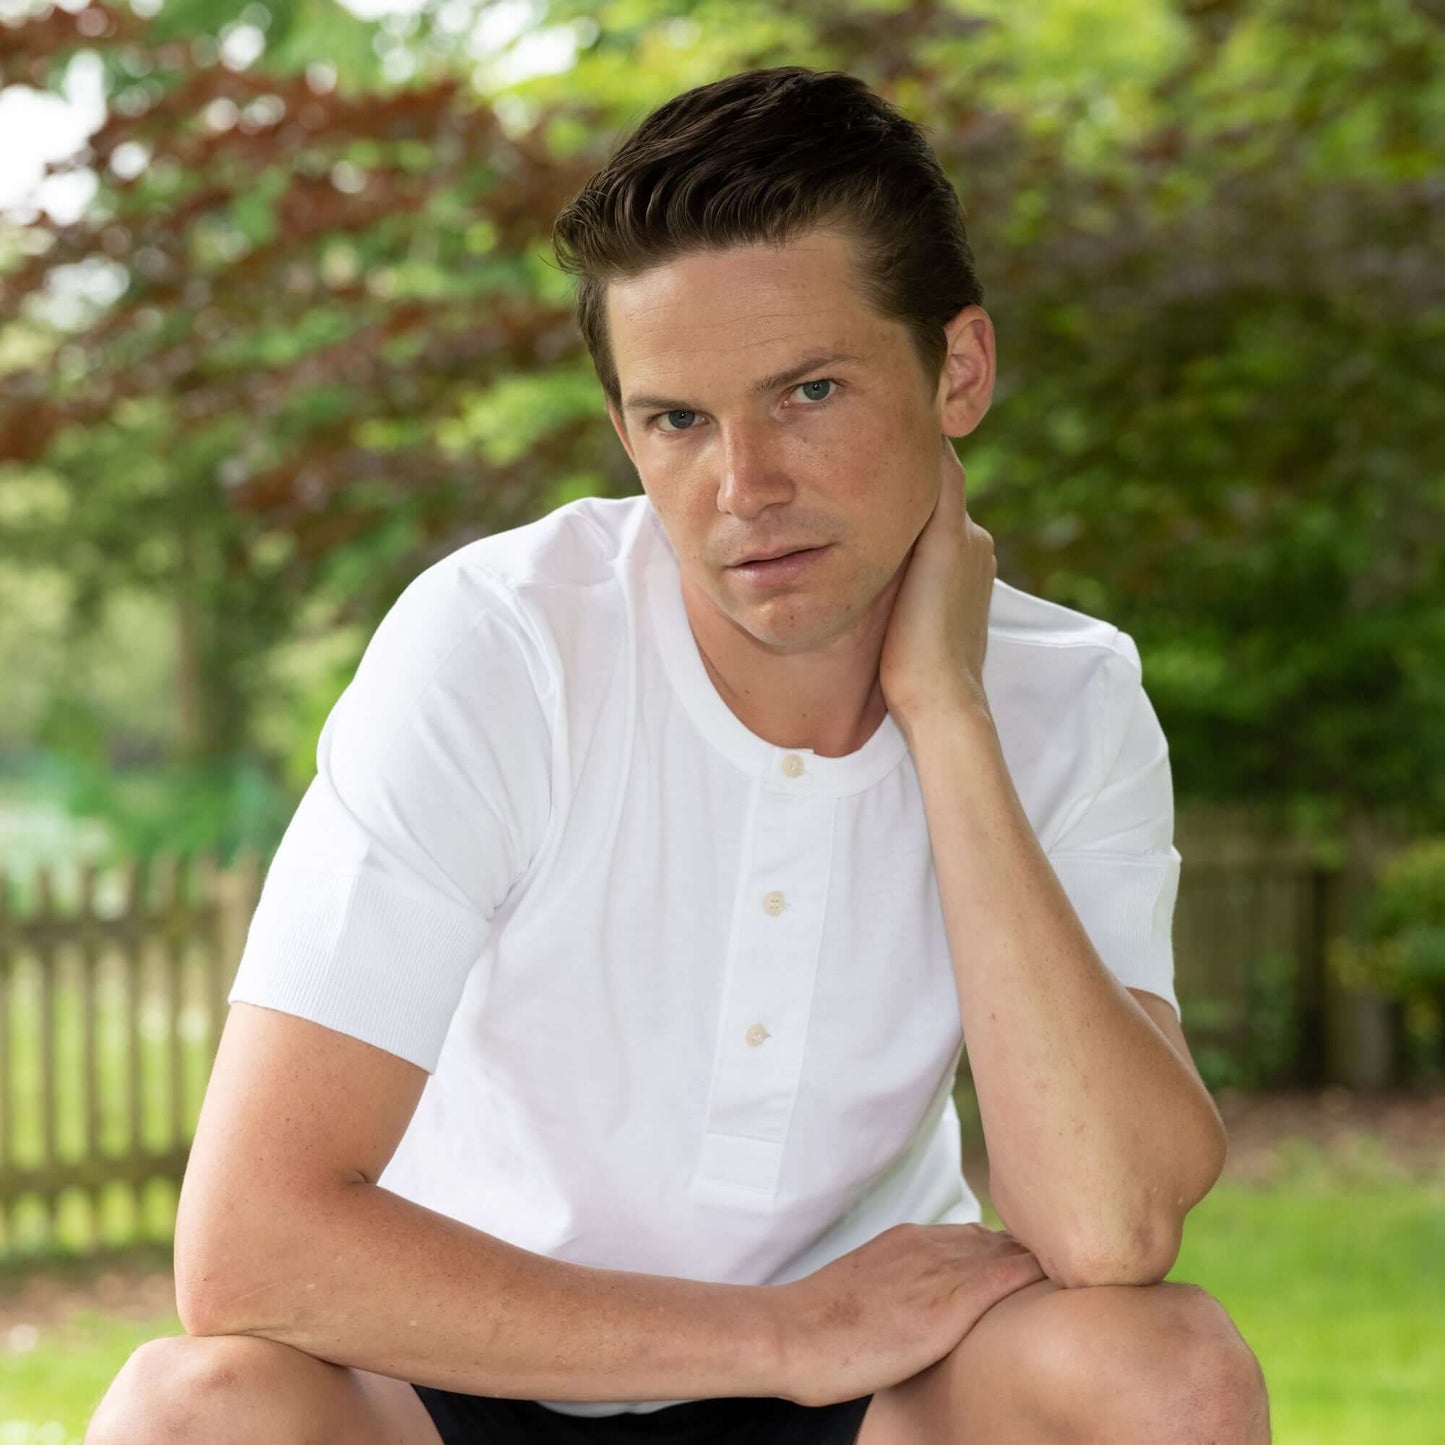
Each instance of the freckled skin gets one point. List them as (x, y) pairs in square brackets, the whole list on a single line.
[(855, 465), (841, 1312)]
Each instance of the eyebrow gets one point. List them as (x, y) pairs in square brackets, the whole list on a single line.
[(761, 386)]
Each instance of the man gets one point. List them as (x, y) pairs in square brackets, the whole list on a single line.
[(591, 1052)]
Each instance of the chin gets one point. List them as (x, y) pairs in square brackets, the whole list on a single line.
[(797, 629)]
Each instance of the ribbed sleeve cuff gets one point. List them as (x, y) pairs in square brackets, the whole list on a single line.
[(359, 955), (1126, 905)]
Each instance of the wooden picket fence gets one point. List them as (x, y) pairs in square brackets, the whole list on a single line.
[(111, 1005), (112, 1000)]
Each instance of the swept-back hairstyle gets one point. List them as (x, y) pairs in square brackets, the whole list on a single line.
[(760, 157)]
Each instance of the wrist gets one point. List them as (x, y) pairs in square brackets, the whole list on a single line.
[(961, 713), (784, 1368)]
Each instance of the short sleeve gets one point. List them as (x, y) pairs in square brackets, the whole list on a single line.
[(431, 795), (1116, 859)]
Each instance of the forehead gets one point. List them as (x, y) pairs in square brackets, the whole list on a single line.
[(737, 313), (817, 262)]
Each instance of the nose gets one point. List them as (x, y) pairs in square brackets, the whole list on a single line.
[(751, 477)]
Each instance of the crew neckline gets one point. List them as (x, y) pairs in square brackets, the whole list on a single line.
[(774, 766)]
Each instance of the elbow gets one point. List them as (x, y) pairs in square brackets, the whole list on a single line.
[(239, 1299), (1148, 1257), (195, 1283), (195, 1319), (197, 1314), (1151, 1248), (206, 1303), (240, 1271), (222, 1309), (205, 1290)]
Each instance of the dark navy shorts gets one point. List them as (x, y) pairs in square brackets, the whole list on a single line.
[(733, 1420)]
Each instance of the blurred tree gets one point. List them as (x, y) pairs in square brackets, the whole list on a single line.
[(1223, 345), (336, 346), (303, 295)]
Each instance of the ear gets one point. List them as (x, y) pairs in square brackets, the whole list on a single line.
[(965, 387)]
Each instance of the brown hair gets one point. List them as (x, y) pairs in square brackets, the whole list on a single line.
[(762, 156)]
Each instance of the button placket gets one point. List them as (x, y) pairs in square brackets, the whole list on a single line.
[(768, 994)]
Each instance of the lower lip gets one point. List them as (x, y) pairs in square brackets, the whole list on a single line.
[(780, 569)]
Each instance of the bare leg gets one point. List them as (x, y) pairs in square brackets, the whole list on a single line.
[(220, 1389), (1106, 1365)]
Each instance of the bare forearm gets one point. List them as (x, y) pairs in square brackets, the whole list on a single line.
[(1095, 1126), (375, 1281)]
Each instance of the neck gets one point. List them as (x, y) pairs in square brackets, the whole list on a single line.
[(829, 702)]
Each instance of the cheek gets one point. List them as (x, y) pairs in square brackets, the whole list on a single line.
[(890, 490), (675, 504)]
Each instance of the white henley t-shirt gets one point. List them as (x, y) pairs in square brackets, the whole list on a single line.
[(685, 998)]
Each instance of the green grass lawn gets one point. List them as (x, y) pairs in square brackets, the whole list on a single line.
[(49, 1392), (1338, 1292), (1336, 1284)]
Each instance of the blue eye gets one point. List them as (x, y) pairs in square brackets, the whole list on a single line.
[(812, 406)]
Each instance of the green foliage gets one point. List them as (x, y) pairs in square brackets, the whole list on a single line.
[(1250, 1044), (249, 423), (1397, 944), (1405, 918), (339, 348), (213, 805)]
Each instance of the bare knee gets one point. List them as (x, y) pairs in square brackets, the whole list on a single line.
[(1157, 1363), (192, 1388), (1222, 1384)]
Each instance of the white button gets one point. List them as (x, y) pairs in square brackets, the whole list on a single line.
[(773, 902), (793, 765), (756, 1035)]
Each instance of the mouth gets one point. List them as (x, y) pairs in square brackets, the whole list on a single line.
[(782, 570), (776, 556)]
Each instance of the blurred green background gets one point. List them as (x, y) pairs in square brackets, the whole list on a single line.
[(283, 327)]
